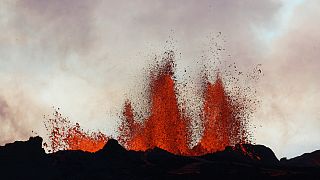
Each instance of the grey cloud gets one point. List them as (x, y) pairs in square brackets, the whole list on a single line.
[(14, 123), (63, 24), (291, 84), (3, 108)]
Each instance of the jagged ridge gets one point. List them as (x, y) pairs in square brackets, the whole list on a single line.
[(28, 160)]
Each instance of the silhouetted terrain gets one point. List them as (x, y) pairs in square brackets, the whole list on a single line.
[(28, 160)]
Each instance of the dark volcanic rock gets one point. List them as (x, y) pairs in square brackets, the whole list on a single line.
[(245, 153), (112, 147), (32, 147), (28, 160), (253, 153), (306, 160), (23, 159)]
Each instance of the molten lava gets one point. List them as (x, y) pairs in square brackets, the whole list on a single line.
[(77, 139), (64, 135), (222, 126), (167, 126)]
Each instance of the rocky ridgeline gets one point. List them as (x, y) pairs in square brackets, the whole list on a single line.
[(28, 160)]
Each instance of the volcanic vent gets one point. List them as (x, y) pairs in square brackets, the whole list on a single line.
[(223, 119)]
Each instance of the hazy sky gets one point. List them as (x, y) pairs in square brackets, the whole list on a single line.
[(86, 56)]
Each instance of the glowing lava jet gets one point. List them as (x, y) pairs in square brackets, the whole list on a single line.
[(222, 124), (166, 127)]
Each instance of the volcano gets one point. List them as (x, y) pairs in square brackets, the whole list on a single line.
[(28, 160), (159, 146)]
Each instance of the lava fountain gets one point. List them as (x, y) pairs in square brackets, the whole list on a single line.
[(167, 126), (63, 135), (222, 124)]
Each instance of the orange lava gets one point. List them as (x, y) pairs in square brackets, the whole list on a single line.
[(222, 126), (77, 139), (64, 135), (166, 127)]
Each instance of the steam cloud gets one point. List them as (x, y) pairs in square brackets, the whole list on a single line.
[(83, 55)]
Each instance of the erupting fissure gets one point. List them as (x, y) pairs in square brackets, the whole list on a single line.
[(168, 126)]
